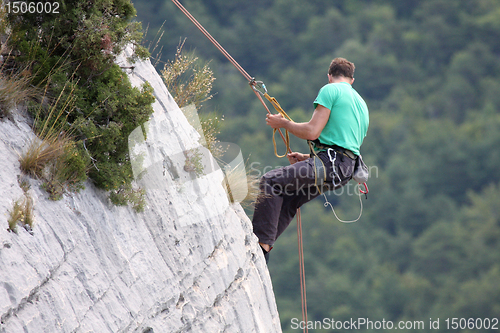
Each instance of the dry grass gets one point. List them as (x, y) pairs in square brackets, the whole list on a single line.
[(191, 84), (52, 141), (15, 86), (211, 125), (41, 152), (46, 154), (47, 159), (21, 213), (186, 80), (14, 90), (153, 49), (241, 186), (15, 215), (29, 218)]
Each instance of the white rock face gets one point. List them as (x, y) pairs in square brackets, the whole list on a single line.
[(189, 263)]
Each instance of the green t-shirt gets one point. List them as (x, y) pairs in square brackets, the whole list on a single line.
[(348, 122)]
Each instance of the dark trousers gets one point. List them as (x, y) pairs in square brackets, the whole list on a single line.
[(284, 190)]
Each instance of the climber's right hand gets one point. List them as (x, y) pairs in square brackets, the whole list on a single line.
[(296, 157)]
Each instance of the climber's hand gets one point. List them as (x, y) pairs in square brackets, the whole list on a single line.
[(296, 157), (276, 120)]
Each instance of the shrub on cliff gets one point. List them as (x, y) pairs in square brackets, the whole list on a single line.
[(72, 52)]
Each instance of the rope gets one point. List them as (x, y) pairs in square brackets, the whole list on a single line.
[(286, 139), (302, 270), (327, 203), (207, 34), (247, 76), (278, 108)]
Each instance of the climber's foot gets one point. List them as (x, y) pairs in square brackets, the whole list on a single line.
[(266, 248)]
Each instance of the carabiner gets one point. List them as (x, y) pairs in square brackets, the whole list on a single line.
[(258, 84), (365, 192)]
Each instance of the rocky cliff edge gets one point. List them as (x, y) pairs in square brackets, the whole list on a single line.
[(188, 263)]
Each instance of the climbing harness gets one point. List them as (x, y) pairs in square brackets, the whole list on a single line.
[(360, 170)]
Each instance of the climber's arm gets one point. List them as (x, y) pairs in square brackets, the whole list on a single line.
[(309, 130)]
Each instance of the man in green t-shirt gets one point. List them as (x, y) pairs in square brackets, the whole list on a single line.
[(337, 129)]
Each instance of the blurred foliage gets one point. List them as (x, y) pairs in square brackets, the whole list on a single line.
[(428, 244)]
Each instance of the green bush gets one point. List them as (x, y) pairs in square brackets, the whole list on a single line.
[(105, 127), (71, 55), (128, 195)]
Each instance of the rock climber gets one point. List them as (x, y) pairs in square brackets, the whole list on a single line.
[(337, 128)]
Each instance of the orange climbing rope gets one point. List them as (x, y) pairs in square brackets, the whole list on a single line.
[(260, 89)]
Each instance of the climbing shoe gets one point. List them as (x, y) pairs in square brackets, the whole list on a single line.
[(266, 253)]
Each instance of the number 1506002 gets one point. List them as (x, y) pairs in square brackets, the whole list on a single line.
[(25, 7)]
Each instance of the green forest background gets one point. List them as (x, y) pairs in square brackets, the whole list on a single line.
[(428, 243)]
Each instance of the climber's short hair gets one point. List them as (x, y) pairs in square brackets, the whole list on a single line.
[(341, 67)]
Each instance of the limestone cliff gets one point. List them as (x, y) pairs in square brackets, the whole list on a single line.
[(189, 263)]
